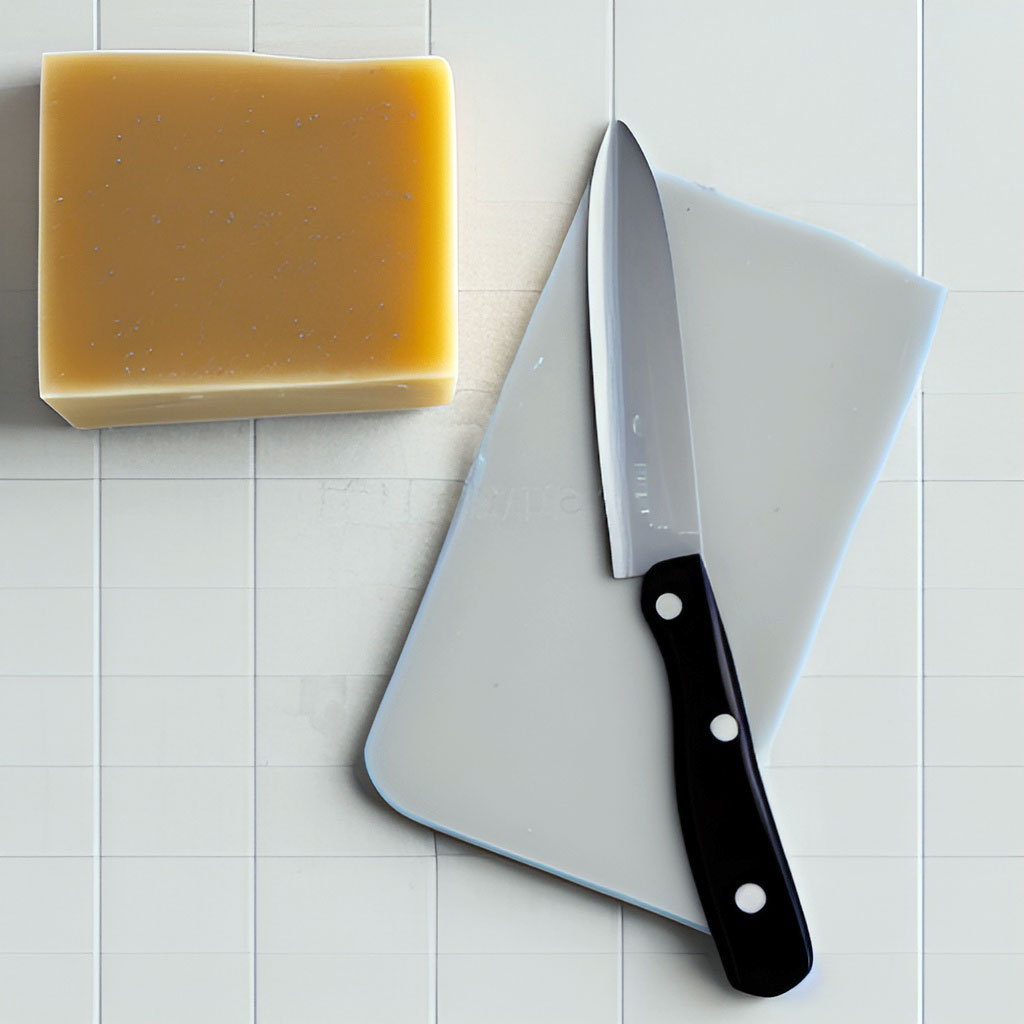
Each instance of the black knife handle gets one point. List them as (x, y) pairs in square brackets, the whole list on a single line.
[(733, 847)]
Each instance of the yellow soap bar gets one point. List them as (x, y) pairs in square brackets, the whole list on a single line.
[(234, 235)]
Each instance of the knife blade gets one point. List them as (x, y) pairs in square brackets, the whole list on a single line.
[(648, 476)]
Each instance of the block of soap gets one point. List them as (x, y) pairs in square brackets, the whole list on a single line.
[(235, 235)]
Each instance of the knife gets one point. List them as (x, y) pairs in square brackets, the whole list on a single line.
[(648, 475)]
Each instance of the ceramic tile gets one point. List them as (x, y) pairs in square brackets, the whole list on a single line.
[(644, 932), (506, 245), (438, 443), (36, 444), (331, 811), (973, 164), (866, 631), (357, 630), (177, 632), (756, 110), (974, 904), (177, 451), (518, 145), (974, 721), (959, 988), (47, 988), (204, 988), (974, 437), (973, 535), (168, 720), (46, 812), (47, 536), (315, 720), (968, 811), (974, 632), (325, 989), (535, 987), (491, 326), (47, 905), (350, 28), (364, 905), (883, 548), (46, 721), (177, 904), (661, 988), (489, 905), (46, 632), (849, 720), (177, 812), (847, 812), (176, 533), (185, 25), (322, 533), (977, 346)]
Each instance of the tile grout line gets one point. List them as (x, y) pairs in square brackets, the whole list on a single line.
[(255, 701), (97, 735), (921, 697)]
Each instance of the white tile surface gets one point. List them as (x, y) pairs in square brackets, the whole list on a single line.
[(974, 437), (177, 812), (974, 721), (47, 632), (46, 812), (178, 450), (862, 811), (203, 988), (185, 25), (330, 811), (488, 905), (176, 533), (324, 533), (901, 461), (314, 720), (753, 106), (661, 988), (866, 631), (355, 630), (438, 443), (974, 905), (849, 720), (973, 534), (977, 347), (973, 163), (323, 989), (347, 28), (883, 548), (48, 988), (974, 632), (360, 905), (46, 539), (177, 720), (491, 325), (515, 987), (46, 905), (961, 987), (177, 632), (46, 721), (177, 904), (972, 811)]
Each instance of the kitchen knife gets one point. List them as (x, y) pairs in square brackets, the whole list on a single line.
[(648, 475)]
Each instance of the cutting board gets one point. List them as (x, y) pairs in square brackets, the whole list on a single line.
[(528, 712)]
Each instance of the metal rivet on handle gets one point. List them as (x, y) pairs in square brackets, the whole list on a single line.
[(750, 897), (668, 606), (724, 728)]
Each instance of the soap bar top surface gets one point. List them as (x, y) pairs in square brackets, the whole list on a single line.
[(229, 220)]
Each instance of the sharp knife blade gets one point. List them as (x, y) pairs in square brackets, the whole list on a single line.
[(648, 473)]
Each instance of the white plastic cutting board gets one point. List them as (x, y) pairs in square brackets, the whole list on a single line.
[(528, 712)]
